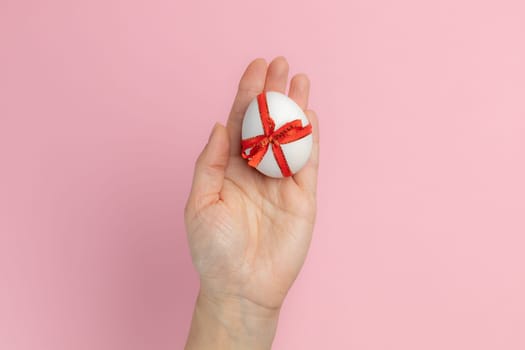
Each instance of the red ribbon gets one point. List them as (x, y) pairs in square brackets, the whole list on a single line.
[(258, 145)]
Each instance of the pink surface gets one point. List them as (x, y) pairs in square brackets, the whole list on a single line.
[(104, 106)]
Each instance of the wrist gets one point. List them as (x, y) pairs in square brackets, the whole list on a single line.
[(229, 322)]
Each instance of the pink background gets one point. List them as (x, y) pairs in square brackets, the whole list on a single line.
[(104, 106)]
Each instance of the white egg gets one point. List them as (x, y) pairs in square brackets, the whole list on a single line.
[(282, 110)]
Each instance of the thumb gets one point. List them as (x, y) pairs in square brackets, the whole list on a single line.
[(209, 170)]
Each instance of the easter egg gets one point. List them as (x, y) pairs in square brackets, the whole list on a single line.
[(276, 135)]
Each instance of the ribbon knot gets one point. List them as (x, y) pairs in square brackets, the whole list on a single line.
[(257, 146)]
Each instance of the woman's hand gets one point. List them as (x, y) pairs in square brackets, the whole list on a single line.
[(248, 233)]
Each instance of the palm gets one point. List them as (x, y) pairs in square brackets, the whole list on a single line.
[(251, 238)]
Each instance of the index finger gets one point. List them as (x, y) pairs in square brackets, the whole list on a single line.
[(250, 85)]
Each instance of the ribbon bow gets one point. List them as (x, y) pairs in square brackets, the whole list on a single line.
[(258, 145)]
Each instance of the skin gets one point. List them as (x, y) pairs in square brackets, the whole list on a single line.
[(248, 234)]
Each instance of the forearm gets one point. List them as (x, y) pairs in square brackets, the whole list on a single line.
[(231, 324)]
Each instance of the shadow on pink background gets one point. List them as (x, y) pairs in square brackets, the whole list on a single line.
[(104, 106)]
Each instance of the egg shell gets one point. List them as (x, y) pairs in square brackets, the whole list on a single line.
[(282, 110)]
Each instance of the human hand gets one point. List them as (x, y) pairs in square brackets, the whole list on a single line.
[(248, 233)]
